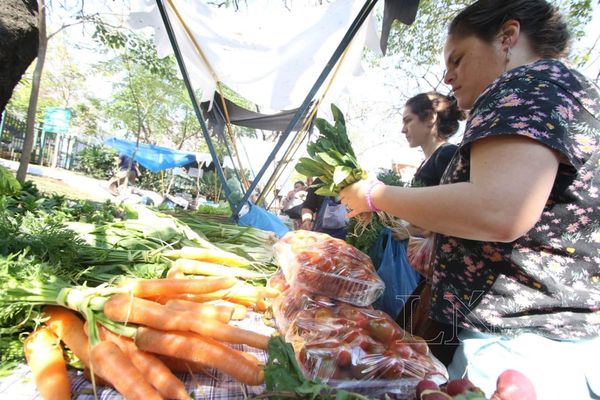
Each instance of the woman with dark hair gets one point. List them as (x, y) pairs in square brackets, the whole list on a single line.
[(429, 120), (516, 258)]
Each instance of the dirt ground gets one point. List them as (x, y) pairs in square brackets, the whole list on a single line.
[(63, 188), (63, 182)]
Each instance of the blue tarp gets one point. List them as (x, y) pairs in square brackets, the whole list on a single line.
[(155, 158)]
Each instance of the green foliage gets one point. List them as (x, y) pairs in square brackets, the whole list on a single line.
[(210, 186), (97, 161), (8, 183), (390, 177), (422, 42), (151, 181), (332, 158), (136, 47), (19, 102)]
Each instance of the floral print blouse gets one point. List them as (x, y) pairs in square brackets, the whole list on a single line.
[(547, 281)]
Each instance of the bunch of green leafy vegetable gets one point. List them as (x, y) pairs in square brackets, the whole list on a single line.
[(332, 158), (367, 237)]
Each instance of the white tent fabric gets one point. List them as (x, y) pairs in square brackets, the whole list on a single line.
[(271, 58)]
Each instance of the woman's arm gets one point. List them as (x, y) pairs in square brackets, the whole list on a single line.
[(511, 180)]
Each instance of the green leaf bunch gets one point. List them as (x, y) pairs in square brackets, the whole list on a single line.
[(331, 157)]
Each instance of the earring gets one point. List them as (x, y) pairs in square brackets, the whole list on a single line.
[(508, 51)]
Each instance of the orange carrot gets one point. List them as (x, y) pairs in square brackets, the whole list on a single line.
[(162, 287), (45, 358), (155, 371), (98, 381), (67, 325), (125, 308), (251, 357), (239, 311), (179, 365), (193, 347), (110, 362), (219, 312)]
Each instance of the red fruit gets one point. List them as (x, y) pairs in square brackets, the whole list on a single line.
[(402, 349), (425, 384), (361, 371), (344, 358), (458, 386), (513, 385), (394, 370), (382, 330)]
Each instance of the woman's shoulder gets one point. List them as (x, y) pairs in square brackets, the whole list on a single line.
[(559, 79)]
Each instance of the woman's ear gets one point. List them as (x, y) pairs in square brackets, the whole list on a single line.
[(510, 33), (431, 119)]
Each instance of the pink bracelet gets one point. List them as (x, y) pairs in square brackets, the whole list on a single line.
[(369, 199)]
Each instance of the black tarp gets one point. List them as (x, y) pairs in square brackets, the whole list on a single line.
[(404, 11), (243, 117)]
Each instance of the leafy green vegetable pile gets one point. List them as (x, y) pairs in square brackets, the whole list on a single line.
[(332, 158)]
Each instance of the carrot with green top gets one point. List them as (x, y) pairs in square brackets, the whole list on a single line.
[(153, 369), (164, 287), (125, 308), (218, 312), (216, 298), (112, 364), (179, 365), (194, 347), (239, 311), (242, 293), (67, 325), (98, 381), (45, 358)]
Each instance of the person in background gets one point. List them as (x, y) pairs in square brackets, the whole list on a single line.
[(516, 256), (429, 120), (127, 173), (292, 203), (312, 214)]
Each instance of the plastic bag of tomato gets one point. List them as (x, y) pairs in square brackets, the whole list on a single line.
[(356, 348), (320, 264)]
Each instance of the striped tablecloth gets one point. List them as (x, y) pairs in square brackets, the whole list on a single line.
[(211, 386)]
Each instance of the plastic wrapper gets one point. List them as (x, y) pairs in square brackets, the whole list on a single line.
[(320, 264), (277, 281), (292, 301), (356, 348), (348, 343)]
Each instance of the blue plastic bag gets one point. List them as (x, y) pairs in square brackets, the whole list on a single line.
[(260, 218), (391, 262)]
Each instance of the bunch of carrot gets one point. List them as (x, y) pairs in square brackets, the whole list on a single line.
[(191, 261), (135, 344)]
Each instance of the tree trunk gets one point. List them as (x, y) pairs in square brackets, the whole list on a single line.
[(18, 43), (35, 91)]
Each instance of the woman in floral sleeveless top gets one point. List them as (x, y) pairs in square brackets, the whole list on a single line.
[(517, 256)]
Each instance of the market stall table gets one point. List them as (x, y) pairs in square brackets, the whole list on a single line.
[(212, 385)]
